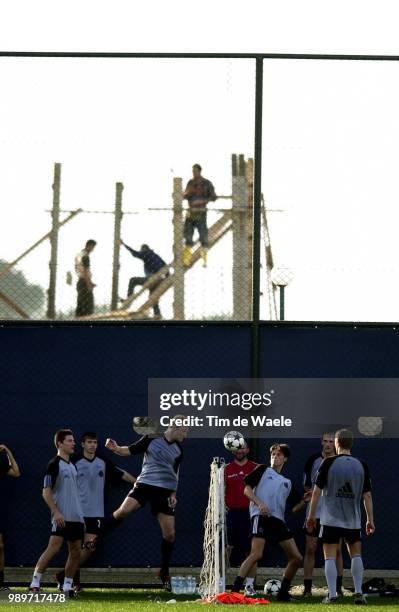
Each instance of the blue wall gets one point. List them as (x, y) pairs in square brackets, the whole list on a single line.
[(96, 378)]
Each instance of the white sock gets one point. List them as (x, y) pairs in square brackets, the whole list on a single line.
[(36, 580), (330, 569), (67, 586), (249, 581), (357, 573)]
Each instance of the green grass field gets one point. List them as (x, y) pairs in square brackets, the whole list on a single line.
[(119, 600)]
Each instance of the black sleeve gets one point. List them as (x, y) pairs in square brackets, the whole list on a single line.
[(113, 474), (367, 478), (5, 466), (321, 478), (211, 192), (52, 470), (307, 470), (293, 498), (254, 477), (138, 254), (140, 446)]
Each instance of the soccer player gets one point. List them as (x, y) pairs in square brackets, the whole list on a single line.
[(309, 478), (94, 473), (8, 467), (60, 492), (342, 483), (237, 504), (156, 484), (269, 492)]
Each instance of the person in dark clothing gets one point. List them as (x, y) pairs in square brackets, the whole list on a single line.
[(199, 191), (153, 263), (85, 285)]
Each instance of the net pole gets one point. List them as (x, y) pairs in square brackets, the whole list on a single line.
[(216, 542), (222, 525)]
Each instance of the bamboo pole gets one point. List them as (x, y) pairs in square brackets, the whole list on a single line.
[(178, 286), (117, 236), (55, 214)]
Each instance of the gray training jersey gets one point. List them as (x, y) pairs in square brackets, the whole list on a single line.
[(93, 475), (272, 489), (61, 477), (309, 477), (343, 480), (161, 461)]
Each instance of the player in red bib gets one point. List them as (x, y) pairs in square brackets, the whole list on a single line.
[(238, 521)]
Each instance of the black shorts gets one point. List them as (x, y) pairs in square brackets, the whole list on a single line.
[(270, 528), (71, 532), (314, 533), (332, 535), (94, 525), (157, 497), (238, 534)]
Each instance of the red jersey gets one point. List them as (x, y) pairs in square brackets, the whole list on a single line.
[(234, 475)]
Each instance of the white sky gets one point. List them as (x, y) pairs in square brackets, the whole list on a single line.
[(330, 139)]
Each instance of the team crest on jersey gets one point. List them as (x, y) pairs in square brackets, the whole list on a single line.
[(101, 473)]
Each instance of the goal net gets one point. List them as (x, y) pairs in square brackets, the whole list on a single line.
[(213, 572)]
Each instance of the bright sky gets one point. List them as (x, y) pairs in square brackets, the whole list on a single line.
[(330, 140)]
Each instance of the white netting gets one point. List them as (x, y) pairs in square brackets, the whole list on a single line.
[(213, 571)]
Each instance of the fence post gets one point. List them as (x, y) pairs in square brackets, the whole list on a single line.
[(178, 285), (117, 236), (55, 216)]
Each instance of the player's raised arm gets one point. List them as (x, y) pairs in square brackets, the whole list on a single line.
[(111, 444), (14, 470)]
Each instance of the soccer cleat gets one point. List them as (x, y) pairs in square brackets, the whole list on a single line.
[(71, 594), (165, 579), (359, 599), (34, 590), (249, 591), (187, 256), (330, 600), (77, 587), (307, 594), (283, 596), (59, 578)]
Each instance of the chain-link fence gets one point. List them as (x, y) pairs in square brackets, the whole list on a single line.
[(105, 149)]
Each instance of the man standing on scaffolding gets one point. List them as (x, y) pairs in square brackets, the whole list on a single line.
[(199, 191)]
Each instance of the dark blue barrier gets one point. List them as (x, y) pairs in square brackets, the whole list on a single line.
[(95, 377)]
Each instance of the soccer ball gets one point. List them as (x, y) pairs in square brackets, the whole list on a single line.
[(272, 587), (234, 441)]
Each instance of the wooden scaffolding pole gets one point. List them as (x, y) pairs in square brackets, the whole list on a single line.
[(117, 236), (178, 286), (55, 215)]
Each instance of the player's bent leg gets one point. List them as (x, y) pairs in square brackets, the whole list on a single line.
[(53, 547), (72, 564), (167, 525), (294, 562), (128, 506), (256, 554), (309, 556)]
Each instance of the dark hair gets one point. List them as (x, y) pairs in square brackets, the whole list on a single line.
[(198, 167), (90, 243), (60, 436), (145, 247), (345, 438), (88, 435), (284, 448)]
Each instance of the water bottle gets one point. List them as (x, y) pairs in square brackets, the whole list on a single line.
[(192, 585), (179, 585)]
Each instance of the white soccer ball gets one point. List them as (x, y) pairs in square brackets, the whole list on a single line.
[(234, 441), (272, 587)]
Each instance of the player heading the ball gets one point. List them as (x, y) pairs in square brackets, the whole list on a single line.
[(156, 484)]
